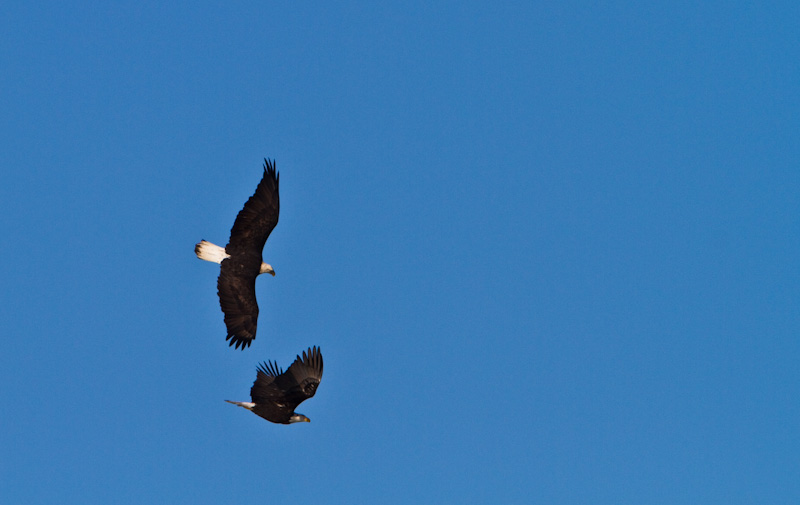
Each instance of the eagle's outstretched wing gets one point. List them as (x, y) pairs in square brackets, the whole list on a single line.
[(236, 287), (281, 392), (258, 217)]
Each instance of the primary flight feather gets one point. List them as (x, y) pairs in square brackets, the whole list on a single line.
[(241, 262)]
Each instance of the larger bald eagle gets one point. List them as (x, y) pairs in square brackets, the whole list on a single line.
[(275, 393), (241, 262)]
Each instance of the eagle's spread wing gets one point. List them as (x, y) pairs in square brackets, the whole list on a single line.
[(288, 389), (236, 287), (302, 378), (259, 216)]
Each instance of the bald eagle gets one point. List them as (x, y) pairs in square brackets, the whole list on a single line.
[(241, 262), (275, 393)]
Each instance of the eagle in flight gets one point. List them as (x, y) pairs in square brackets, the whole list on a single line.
[(241, 262), (275, 393)]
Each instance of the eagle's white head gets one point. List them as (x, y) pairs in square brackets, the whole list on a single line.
[(299, 418), (266, 269)]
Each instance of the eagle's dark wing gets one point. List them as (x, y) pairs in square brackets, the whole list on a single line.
[(264, 389), (236, 287), (291, 387), (259, 216), (300, 381)]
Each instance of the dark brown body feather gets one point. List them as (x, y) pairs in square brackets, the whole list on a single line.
[(277, 393), (236, 284)]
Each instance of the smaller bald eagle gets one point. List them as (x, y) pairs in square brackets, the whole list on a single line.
[(276, 393), (240, 261)]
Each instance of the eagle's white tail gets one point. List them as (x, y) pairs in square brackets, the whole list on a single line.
[(247, 405), (210, 252)]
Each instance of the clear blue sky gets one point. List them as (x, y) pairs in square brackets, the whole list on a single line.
[(549, 251)]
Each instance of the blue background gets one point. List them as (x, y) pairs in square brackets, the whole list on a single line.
[(549, 250)]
